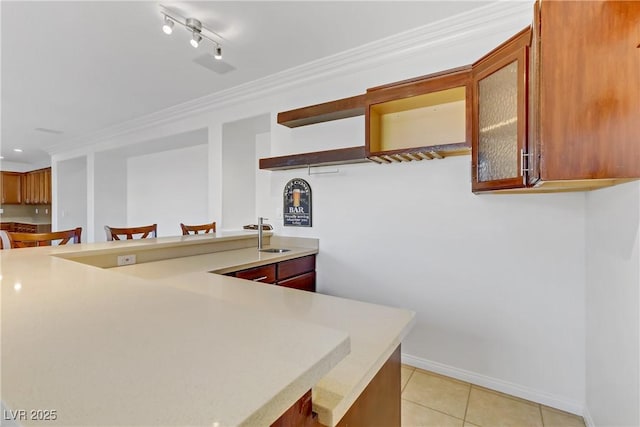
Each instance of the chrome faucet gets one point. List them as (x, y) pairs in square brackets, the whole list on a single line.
[(260, 220)]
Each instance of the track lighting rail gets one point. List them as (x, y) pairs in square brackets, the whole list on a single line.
[(193, 25)]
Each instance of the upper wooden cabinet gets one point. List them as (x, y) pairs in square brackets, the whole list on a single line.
[(589, 90), (33, 188), (11, 188), (576, 121), (37, 187), (423, 118), (499, 142), (554, 108)]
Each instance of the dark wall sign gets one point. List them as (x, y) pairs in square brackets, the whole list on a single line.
[(297, 203)]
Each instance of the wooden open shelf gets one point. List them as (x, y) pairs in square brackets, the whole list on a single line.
[(333, 110), (317, 158), (405, 121), (436, 118), (422, 118)]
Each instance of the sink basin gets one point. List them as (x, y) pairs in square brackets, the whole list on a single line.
[(275, 250)]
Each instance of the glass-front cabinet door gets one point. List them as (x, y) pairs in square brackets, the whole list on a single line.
[(499, 149)]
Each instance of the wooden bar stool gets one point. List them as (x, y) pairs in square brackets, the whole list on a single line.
[(195, 229), (147, 231), (27, 240)]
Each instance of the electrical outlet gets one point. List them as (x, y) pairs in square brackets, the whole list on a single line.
[(126, 260), (36, 211)]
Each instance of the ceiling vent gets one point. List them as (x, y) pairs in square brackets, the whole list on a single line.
[(209, 62)]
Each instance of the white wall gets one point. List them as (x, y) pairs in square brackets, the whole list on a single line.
[(613, 318), (262, 178), (70, 203), (240, 145), (110, 189), (16, 166), (238, 178), (497, 281), (168, 188)]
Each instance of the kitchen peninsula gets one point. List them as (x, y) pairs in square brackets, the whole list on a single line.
[(166, 342)]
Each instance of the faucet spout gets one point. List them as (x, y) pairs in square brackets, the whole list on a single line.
[(260, 221)]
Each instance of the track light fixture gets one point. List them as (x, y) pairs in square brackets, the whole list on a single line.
[(195, 39), (167, 27), (195, 27)]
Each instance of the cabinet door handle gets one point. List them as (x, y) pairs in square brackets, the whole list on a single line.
[(524, 155), (258, 279)]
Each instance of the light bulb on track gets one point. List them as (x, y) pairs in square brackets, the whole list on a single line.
[(167, 27), (195, 40)]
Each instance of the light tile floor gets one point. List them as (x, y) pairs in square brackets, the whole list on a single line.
[(432, 400)]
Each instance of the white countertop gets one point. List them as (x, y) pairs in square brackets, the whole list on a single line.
[(167, 343), (26, 220)]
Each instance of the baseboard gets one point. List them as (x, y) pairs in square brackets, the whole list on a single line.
[(588, 421), (502, 386)]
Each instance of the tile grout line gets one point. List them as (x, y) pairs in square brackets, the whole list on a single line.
[(407, 383), (435, 410), (480, 388), (466, 408)]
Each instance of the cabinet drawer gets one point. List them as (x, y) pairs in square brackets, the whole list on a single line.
[(265, 274), (296, 267), (305, 282)]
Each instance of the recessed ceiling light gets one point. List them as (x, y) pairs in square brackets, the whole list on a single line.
[(1, 157), (18, 150)]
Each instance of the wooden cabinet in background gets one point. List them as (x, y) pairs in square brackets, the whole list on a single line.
[(37, 187), (11, 183), (31, 188), (298, 273), (18, 227)]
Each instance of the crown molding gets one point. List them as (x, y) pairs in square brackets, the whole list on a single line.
[(486, 20)]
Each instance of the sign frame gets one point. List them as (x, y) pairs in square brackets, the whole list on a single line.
[(296, 202)]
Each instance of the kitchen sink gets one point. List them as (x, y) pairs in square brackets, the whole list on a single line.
[(274, 250)]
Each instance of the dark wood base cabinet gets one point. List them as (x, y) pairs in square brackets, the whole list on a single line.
[(299, 414), (297, 273), (377, 406)]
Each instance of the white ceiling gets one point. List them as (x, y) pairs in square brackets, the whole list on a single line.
[(79, 67)]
